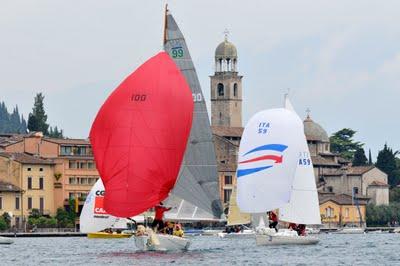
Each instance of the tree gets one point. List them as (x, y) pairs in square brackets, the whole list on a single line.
[(3, 224), (386, 161), (359, 158), (55, 133), (394, 194), (37, 119), (342, 142)]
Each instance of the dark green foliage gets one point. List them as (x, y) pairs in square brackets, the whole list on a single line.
[(383, 215), (342, 142), (386, 162), (56, 133), (3, 224), (394, 194), (11, 122), (370, 158), (359, 158), (65, 218), (37, 119), (7, 218)]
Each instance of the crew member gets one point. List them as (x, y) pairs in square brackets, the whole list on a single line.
[(273, 220), (158, 219), (301, 229), (292, 226)]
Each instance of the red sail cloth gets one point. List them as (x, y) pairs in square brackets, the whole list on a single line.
[(139, 136)]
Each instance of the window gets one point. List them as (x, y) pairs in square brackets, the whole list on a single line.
[(228, 180), (1, 203), (90, 165), (83, 165), (72, 180), (17, 203), (71, 195), (29, 203), (41, 182), (29, 169), (227, 195), (72, 164), (41, 205), (355, 190), (66, 150), (220, 87), (330, 189), (41, 169), (83, 181), (329, 212), (346, 213), (29, 182), (235, 88)]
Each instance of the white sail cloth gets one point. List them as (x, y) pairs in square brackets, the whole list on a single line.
[(303, 207), (93, 216), (267, 160)]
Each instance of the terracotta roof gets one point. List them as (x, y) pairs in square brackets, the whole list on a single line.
[(9, 139), (7, 187), (319, 160), (359, 170), (342, 199), (227, 131), (26, 158), (68, 141), (379, 184)]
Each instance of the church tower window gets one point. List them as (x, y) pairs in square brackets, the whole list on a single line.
[(220, 89), (235, 90)]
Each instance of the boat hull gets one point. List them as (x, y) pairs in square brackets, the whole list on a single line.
[(107, 235), (351, 231), (249, 234), (165, 243), (266, 240), (6, 240)]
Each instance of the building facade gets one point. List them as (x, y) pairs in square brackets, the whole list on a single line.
[(74, 167), (27, 184)]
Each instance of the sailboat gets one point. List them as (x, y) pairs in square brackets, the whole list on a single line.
[(147, 149), (275, 172), (237, 218), (94, 218)]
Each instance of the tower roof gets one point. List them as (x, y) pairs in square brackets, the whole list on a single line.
[(226, 49), (314, 131)]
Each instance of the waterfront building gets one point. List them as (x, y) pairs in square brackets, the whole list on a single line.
[(339, 210), (74, 167), (25, 184), (226, 115), (337, 175)]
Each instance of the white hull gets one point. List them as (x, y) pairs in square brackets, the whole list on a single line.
[(211, 232), (244, 234), (165, 243), (265, 240), (351, 231), (265, 237), (6, 240)]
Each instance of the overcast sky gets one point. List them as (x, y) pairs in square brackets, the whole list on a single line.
[(341, 59)]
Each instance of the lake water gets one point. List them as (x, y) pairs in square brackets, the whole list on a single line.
[(367, 249)]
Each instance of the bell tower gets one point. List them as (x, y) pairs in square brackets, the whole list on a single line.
[(226, 87)]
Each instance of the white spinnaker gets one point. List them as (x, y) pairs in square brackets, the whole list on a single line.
[(267, 160), (303, 207), (93, 217)]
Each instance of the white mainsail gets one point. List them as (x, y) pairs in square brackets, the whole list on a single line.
[(303, 207), (268, 156)]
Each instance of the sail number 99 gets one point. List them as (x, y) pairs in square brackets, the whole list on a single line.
[(177, 52), (197, 97)]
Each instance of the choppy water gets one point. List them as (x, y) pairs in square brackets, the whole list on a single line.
[(367, 249)]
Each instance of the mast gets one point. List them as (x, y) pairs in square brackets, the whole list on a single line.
[(165, 24)]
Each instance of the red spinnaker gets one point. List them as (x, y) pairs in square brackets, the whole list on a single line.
[(139, 136)]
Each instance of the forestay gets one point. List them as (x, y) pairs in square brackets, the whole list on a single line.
[(198, 177), (303, 207), (267, 161)]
